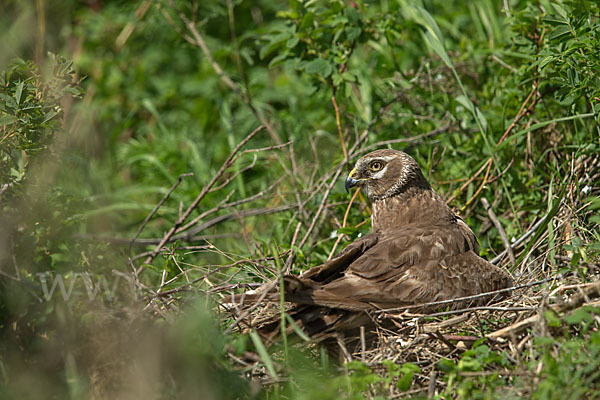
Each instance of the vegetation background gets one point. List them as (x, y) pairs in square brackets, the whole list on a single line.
[(110, 108)]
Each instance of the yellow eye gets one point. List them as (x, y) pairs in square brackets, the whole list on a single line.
[(376, 166)]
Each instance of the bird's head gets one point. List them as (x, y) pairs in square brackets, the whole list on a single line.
[(385, 173)]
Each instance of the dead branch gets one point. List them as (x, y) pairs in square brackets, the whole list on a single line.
[(520, 240), (576, 301), (500, 228), (224, 205)]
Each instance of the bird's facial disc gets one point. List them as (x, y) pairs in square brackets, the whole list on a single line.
[(365, 171), (386, 173)]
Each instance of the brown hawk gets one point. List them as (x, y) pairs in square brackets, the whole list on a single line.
[(419, 252)]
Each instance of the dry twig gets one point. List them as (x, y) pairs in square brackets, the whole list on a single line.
[(198, 199)]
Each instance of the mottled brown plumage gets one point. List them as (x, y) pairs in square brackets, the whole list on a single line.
[(419, 252)]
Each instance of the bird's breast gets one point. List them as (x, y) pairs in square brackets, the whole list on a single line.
[(417, 207)]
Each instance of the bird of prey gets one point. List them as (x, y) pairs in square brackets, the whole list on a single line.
[(419, 252)]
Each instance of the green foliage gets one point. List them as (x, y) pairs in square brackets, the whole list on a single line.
[(483, 363), (30, 114), (562, 57), (363, 380), (571, 368), (561, 366), (304, 41)]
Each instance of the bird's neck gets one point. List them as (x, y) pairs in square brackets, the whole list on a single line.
[(414, 206)]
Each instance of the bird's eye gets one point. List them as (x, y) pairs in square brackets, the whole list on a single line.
[(376, 166)]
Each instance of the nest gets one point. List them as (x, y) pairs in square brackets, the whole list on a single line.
[(400, 336)]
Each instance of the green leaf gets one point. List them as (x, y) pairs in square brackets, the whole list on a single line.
[(551, 318), (8, 100), (7, 119), (432, 34), (544, 341), (468, 104), (307, 20), (349, 77), (410, 367), (554, 21), (445, 365), (320, 67), (438, 48), (594, 202), (337, 79), (296, 328), (352, 33), (349, 230), (292, 42), (405, 381), (432, 27), (19, 92), (275, 42), (49, 116), (560, 10), (278, 60), (545, 61), (559, 32), (469, 364), (578, 316), (353, 15)]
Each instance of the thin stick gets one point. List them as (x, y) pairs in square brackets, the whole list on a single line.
[(227, 205), (520, 114), (485, 177), (338, 123), (363, 343), (340, 236), (514, 245), (160, 203), (292, 256), (575, 301), (431, 386), (267, 290), (235, 175), (411, 139), (479, 308), (321, 207), (486, 164), (189, 235), (380, 113), (385, 311), (500, 228), (474, 297)]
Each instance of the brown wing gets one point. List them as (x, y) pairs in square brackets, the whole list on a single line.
[(410, 246), (324, 273), (460, 275), (332, 269), (406, 266)]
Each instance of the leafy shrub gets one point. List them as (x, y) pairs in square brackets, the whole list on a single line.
[(30, 114)]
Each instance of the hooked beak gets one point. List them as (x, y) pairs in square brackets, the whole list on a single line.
[(350, 181)]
